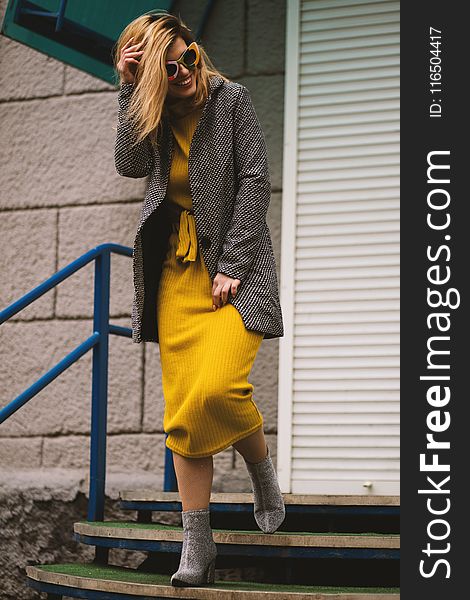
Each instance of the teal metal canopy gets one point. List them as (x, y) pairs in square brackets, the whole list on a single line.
[(81, 33)]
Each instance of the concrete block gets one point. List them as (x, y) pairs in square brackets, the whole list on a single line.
[(139, 452), (26, 72), (125, 384), (78, 82), (224, 37), (20, 453), (64, 406), (81, 229), (267, 94), (28, 258), (265, 36), (124, 453), (70, 158), (66, 452), (264, 378)]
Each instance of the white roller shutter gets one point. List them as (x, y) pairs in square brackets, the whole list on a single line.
[(338, 428)]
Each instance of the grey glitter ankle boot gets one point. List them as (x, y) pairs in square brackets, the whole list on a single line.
[(197, 563), (269, 506)]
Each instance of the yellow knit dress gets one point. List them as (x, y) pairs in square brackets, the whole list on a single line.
[(206, 356)]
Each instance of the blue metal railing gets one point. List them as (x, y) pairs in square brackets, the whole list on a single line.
[(99, 341)]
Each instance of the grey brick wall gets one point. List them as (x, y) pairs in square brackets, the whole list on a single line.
[(61, 197)]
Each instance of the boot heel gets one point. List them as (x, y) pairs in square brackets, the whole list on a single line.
[(211, 572)]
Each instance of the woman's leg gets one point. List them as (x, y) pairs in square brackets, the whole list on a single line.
[(253, 447), (269, 509), (199, 551), (194, 477)]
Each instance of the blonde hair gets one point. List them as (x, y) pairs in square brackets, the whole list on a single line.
[(158, 30)]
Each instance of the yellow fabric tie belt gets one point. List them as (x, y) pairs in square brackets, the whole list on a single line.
[(187, 238)]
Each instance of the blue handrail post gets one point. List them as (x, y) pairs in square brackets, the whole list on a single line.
[(99, 400)]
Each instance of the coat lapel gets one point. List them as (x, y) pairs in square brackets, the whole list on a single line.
[(168, 142)]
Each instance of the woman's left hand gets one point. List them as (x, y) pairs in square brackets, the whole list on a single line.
[(222, 285)]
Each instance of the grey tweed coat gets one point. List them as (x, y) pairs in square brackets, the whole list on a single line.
[(230, 189)]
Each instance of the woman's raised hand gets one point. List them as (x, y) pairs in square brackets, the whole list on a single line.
[(127, 64)]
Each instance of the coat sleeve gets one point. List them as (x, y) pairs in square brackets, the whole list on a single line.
[(254, 191), (136, 161)]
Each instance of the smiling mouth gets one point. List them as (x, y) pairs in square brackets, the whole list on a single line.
[(188, 81)]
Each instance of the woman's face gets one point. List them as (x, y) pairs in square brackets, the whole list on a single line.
[(174, 89)]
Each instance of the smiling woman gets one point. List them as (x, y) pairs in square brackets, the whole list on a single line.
[(156, 53), (182, 75), (204, 271)]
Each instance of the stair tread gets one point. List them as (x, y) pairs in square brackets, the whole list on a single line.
[(108, 578), (247, 498), (158, 531)]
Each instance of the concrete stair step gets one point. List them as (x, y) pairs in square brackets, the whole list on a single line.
[(88, 579), (144, 501), (172, 533), (156, 537), (304, 512), (247, 498)]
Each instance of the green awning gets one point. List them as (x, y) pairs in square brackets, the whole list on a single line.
[(81, 34)]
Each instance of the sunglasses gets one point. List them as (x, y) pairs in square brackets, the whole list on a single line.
[(189, 59)]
